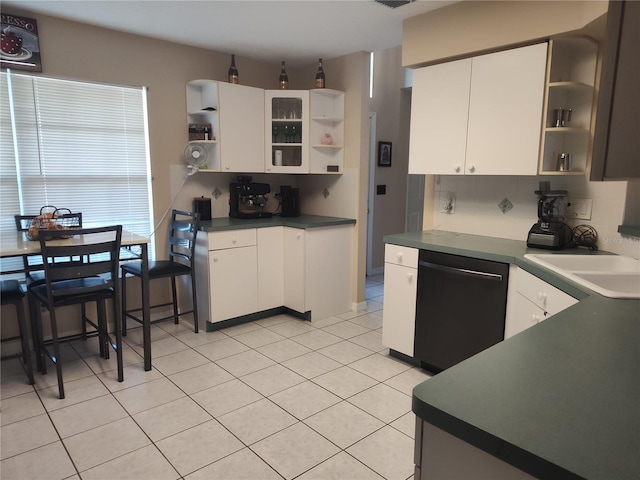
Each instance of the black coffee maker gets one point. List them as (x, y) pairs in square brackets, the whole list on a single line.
[(248, 199), (550, 231), (290, 198)]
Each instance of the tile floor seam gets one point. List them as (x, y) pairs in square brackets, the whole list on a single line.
[(60, 439)]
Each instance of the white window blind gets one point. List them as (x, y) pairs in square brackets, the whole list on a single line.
[(75, 145)]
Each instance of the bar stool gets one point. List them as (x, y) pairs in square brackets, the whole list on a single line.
[(182, 243), (89, 275), (12, 294)]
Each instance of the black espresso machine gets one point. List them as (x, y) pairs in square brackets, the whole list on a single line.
[(248, 199)]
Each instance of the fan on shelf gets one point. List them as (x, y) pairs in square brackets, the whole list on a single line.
[(195, 154)]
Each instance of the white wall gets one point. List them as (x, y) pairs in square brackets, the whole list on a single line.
[(477, 212)]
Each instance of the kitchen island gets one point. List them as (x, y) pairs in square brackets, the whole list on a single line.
[(558, 400)]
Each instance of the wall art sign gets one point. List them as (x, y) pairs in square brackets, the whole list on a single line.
[(20, 48)]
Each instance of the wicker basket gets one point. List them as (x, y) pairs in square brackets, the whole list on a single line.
[(52, 218)]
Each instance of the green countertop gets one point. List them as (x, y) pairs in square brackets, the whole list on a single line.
[(559, 400), (302, 221)]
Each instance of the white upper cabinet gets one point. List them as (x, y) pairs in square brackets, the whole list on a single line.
[(439, 112), (505, 111), (479, 116), (286, 131), (202, 109), (570, 86), (326, 127), (241, 128), (236, 114)]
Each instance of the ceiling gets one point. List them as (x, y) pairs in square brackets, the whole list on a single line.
[(298, 31)]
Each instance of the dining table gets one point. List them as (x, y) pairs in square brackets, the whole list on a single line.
[(132, 246)]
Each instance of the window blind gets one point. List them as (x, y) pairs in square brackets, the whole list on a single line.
[(76, 145)]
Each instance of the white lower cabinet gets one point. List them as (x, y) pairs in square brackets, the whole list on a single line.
[(240, 272), (317, 270), (270, 267), (226, 274), (400, 289), (531, 300)]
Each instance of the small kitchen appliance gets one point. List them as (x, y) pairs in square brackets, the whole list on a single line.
[(550, 231), (248, 199), (202, 206), (290, 198)]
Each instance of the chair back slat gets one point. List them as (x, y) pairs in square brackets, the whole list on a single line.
[(182, 236), (95, 251)]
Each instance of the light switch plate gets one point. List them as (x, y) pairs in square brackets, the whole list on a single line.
[(579, 208)]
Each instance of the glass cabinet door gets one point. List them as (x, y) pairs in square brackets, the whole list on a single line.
[(286, 138)]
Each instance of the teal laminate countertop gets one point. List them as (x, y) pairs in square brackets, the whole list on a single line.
[(302, 221), (560, 399)]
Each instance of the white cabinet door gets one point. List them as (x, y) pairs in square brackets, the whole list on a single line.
[(317, 270), (505, 111), (531, 300), (241, 128), (521, 314), (294, 269), (270, 267), (439, 113), (328, 270), (233, 284), (399, 311)]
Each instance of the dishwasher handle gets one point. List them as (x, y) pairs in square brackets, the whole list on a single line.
[(496, 277)]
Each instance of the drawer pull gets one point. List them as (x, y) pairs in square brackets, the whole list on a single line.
[(410, 277)]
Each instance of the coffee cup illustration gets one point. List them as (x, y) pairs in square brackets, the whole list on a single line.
[(11, 42)]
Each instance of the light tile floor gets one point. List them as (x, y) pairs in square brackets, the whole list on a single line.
[(271, 399)]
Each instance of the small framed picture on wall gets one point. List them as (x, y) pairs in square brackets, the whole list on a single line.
[(384, 154)]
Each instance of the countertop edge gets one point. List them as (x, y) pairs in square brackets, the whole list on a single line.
[(221, 224)]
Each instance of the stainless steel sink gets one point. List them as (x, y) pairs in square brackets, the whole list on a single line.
[(613, 276)]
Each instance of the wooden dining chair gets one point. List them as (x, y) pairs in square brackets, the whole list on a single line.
[(182, 242), (89, 274)]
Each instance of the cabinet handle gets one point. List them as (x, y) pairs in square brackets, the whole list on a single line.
[(234, 241), (410, 277), (299, 235), (215, 258), (457, 168), (535, 318), (472, 168), (542, 296), (400, 257), (226, 167)]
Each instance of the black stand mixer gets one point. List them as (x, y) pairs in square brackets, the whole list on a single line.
[(550, 231)]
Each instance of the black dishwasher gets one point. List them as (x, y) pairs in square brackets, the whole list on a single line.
[(460, 310)]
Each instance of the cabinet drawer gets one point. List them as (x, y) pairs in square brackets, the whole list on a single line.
[(547, 297), (405, 256), (232, 239)]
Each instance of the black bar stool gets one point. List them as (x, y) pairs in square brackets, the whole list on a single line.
[(11, 293), (182, 243)]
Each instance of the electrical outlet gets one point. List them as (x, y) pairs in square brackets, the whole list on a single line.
[(579, 208), (447, 203)]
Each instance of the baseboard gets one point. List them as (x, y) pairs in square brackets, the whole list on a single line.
[(359, 306), (376, 271)]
